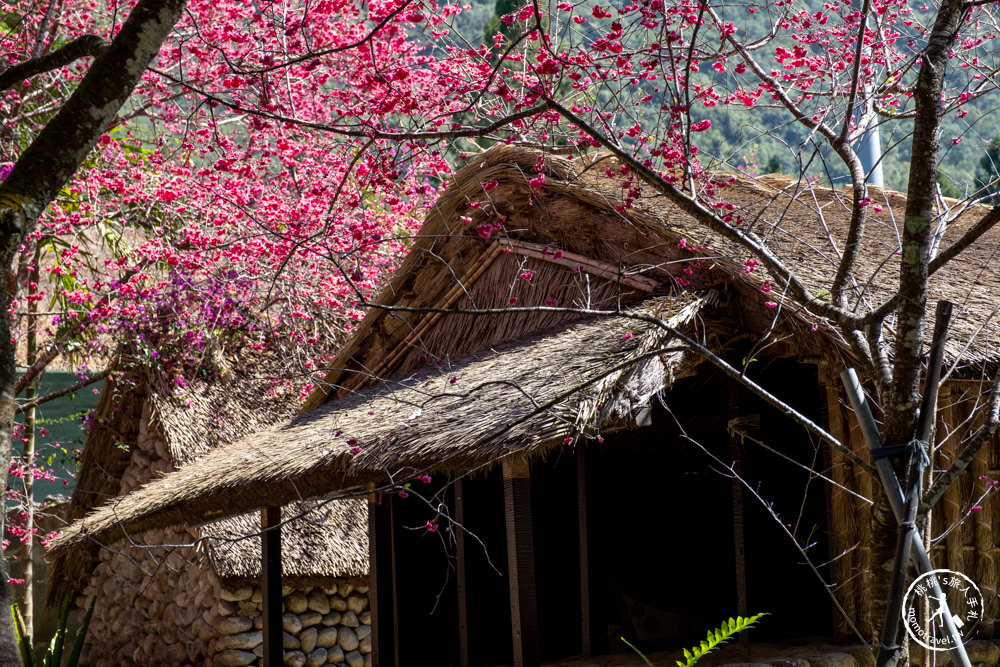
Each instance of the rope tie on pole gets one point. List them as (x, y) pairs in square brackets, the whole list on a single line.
[(915, 447)]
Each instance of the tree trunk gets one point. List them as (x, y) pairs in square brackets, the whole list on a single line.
[(30, 394), (9, 653), (41, 172), (904, 396)]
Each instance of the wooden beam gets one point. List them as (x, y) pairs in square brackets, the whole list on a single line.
[(587, 264), (584, 544), (381, 582), (827, 454), (461, 576), (270, 572), (521, 562)]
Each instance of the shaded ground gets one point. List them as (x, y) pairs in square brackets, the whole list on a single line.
[(758, 655), (784, 654)]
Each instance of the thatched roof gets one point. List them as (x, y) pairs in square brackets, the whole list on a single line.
[(514, 400), (329, 541), (583, 213), (579, 243)]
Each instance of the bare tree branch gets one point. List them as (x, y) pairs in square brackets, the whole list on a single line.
[(81, 47), (63, 392), (983, 436), (53, 350), (716, 224)]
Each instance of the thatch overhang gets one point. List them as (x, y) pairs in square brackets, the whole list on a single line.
[(521, 399), (325, 541)]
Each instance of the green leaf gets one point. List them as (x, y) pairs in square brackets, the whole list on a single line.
[(23, 638), (74, 656), (53, 655), (640, 653)]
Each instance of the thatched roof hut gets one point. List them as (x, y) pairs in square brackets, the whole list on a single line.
[(427, 385), (145, 428)]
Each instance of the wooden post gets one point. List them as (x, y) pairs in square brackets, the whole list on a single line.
[(382, 582), (521, 562), (584, 544), (826, 453), (460, 576), (270, 572), (739, 539), (394, 588)]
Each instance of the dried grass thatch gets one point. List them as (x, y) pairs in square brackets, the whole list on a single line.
[(579, 210), (514, 400), (328, 541), (319, 541), (106, 456)]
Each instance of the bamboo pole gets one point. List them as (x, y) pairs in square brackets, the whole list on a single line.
[(890, 650), (895, 494), (587, 264)]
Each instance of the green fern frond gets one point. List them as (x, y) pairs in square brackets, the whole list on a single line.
[(715, 638)]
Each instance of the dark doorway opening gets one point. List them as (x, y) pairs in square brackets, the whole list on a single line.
[(661, 516), (661, 548)]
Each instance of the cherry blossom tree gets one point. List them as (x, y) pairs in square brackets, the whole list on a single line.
[(269, 165), (55, 153), (184, 233)]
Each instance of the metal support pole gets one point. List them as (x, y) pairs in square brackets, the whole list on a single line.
[(890, 650), (918, 554)]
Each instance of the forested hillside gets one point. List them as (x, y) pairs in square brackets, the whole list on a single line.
[(765, 140)]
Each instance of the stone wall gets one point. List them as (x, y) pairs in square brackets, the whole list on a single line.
[(164, 606), (154, 605), (323, 625)]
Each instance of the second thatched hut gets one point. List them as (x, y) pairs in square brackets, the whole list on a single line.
[(190, 594)]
